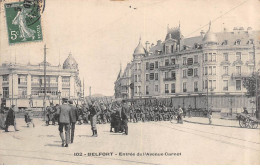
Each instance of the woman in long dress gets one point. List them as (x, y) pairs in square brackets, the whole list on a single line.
[(20, 20)]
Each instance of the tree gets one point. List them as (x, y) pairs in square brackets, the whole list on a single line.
[(250, 84)]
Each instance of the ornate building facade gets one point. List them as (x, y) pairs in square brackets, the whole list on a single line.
[(23, 85), (205, 69)]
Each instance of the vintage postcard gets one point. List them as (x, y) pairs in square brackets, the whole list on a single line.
[(129, 82)]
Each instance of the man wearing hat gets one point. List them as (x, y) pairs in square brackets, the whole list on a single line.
[(74, 119), (10, 119), (64, 112), (93, 118)]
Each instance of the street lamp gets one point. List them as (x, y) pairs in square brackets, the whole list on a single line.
[(59, 94)]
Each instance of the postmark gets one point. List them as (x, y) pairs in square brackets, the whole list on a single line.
[(24, 21)]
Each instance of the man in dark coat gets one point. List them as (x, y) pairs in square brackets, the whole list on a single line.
[(10, 119), (64, 112), (74, 119), (124, 116)]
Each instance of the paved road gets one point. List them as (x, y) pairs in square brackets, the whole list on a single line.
[(190, 143)]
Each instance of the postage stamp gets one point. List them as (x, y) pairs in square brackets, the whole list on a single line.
[(23, 21)]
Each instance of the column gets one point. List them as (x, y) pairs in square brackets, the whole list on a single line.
[(1, 85), (29, 85), (15, 85), (72, 86), (178, 82)]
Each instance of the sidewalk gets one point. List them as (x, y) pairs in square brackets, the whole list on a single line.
[(215, 121)]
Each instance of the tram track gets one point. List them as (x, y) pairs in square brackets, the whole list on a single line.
[(206, 134)]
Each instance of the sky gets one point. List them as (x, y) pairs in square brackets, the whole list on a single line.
[(101, 34)]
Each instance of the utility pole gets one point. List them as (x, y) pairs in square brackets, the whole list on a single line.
[(44, 98), (256, 73)]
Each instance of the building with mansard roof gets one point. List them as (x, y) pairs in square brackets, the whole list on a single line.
[(23, 85), (201, 71)]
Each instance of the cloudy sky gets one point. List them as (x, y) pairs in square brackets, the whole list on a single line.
[(102, 33)]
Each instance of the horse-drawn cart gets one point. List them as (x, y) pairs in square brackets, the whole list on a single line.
[(247, 121)]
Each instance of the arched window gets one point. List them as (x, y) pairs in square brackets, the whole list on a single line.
[(225, 42), (251, 41)]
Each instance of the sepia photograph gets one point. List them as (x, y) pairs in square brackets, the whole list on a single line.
[(129, 82)]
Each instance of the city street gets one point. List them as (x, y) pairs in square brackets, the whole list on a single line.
[(194, 142)]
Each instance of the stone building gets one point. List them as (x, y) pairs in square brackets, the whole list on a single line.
[(23, 85), (205, 70)]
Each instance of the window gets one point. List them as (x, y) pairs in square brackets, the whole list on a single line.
[(206, 84), (166, 74), (139, 90), (251, 69), (172, 48), (195, 86), (184, 87), (173, 75), (184, 73), (173, 61), (210, 57), (156, 64), (151, 76), (156, 88), (167, 49), (214, 86), (238, 84), (156, 76), (5, 78), (22, 79), (139, 66), (147, 90), (210, 70), (195, 71), (190, 72), (151, 66), (5, 92), (184, 61), (190, 61), (195, 58), (166, 62), (225, 68), (206, 57), (225, 55), (135, 78), (147, 77), (166, 88), (238, 70), (205, 70), (135, 89), (147, 66), (238, 42), (139, 78), (251, 56), (135, 66), (214, 57), (225, 84), (238, 56), (173, 88), (210, 84), (214, 70)]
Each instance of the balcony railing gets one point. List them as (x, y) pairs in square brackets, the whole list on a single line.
[(240, 75), (169, 67), (22, 84), (170, 79), (5, 83)]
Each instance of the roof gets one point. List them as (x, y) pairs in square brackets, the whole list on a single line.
[(139, 50), (70, 63)]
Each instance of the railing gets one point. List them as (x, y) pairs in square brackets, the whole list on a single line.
[(169, 66), (240, 75), (22, 96), (22, 84), (5, 83), (170, 79)]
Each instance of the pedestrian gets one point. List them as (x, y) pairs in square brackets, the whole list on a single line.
[(10, 119), (28, 117), (245, 111), (74, 119), (189, 111), (210, 115), (180, 113), (93, 118), (124, 116), (64, 112)]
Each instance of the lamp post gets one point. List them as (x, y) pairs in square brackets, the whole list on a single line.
[(1, 100), (59, 94)]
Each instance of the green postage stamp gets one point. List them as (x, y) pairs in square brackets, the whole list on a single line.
[(23, 21)]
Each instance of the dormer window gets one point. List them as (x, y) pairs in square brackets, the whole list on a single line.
[(225, 42), (237, 42), (195, 45)]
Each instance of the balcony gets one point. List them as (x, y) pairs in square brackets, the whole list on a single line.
[(169, 67), (196, 89), (225, 63), (169, 79), (173, 91), (240, 75), (5, 83), (65, 85), (22, 84)]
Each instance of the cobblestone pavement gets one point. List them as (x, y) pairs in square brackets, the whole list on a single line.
[(194, 142)]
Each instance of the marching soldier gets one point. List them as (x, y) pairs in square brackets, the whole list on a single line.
[(64, 112), (124, 118), (93, 118), (74, 119)]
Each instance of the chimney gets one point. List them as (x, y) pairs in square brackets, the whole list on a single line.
[(159, 42), (202, 33), (249, 30), (152, 45)]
